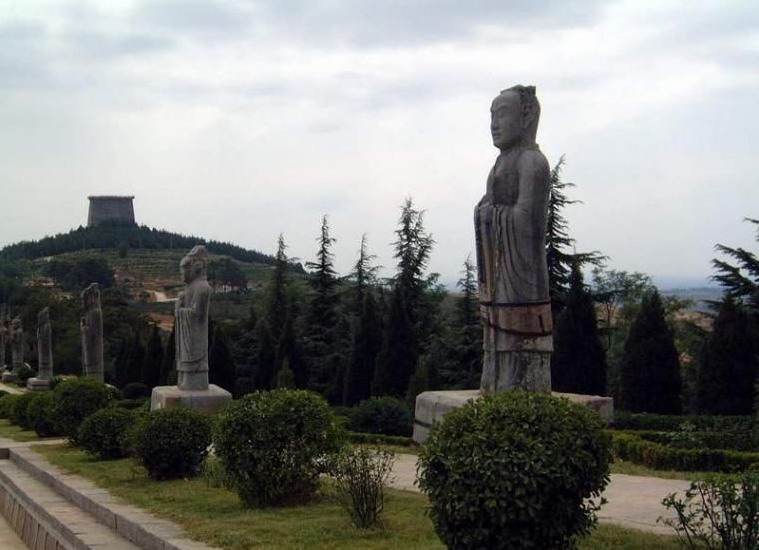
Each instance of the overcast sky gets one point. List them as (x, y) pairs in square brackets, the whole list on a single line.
[(237, 120)]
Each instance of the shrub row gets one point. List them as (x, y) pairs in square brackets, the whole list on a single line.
[(669, 423), (708, 440), (631, 447), (361, 438)]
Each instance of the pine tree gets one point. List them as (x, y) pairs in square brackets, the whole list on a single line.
[(650, 370), (121, 365), (741, 281), (579, 360), (153, 359), (728, 363), (366, 342), (558, 242), (135, 359), (363, 276), (425, 375), (325, 365), (403, 337), (221, 367), (467, 333)]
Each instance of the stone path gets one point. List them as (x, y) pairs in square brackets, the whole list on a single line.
[(633, 501), (8, 538)]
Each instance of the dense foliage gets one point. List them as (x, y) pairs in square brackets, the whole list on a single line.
[(105, 433), (40, 415), (515, 470), (273, 443), (381, 415), (77, 399), (172, 443)]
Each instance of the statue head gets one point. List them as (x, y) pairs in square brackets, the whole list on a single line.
[(43, 317), (16, 324), (91, 296), (193, 266), (514, 116)]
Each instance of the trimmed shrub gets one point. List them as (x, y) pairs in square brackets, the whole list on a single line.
[(670, 423), (105, 433), (359, 438), (7, 403), (18, 414), (172, 443), (515, 470), (132, 404), (136, 390), (273, 444), (699, 440), (633, 448), (360, 475), (40, 415), (24, 373), (75, 400), (381, 415)]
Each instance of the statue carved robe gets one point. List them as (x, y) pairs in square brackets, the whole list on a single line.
[(192, 336)]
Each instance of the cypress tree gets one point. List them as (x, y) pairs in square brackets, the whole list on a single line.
[(153, 360), (366, 342), (579, 361), (467, 334), (221, 366), (728, 363), (121, 366), (650, 370), (168, 368), (135, 359)]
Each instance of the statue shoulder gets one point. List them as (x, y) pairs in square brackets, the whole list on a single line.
[(533, 161)]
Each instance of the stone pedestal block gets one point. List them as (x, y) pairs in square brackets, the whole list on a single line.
[(37, 384), (211, 401), (9, 378), (432, 406)]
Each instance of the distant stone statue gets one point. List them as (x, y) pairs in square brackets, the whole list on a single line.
[(91, 327), (191, 312), (44, 353), (510, 227), (17, 344)]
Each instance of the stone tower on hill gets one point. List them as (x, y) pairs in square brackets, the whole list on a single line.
[(112, 209)]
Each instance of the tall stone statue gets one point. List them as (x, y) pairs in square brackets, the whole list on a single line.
[(17, 344), (191, 312), (44, 353), (510, 227), (91, 327), (191, 332)]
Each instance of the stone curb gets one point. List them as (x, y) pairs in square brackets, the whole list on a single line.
[(130, 522)]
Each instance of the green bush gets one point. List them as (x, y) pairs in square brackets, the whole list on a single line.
[(7, 403), (515, 470), (132, 404), (633, 448), (699, 440), (672, 423), (40, 415), (272, 445), (720, 512), (18, 414), (75, 400), (105, 433), (24, 373), (381, 415), (360, 475), (172, 443), (359, 438)]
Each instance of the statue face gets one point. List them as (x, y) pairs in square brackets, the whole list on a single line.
[(506, 120), (187, 271)]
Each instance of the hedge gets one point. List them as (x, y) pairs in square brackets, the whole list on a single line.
[(361, 438), (702, 440), (671, 423), (633, 448)]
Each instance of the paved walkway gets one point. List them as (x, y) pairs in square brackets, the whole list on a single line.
[(8, 538), (633, 501)]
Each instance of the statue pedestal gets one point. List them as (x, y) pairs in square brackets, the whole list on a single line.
[(9, 378), (432, 406), (37, 384), (211, 401)]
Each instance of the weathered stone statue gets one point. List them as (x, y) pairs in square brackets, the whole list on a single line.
[(510, 227), (44, 353), (91, 327), (191, 317), (17, 344), (191, 313)]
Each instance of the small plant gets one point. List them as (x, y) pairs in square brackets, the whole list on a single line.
[(105, 433), (40, 415), (719, 513), (515, 470), (360, 475), (684, 437), (75, 400), (172, 443), (273, 444), (381, 415), (214, 473)]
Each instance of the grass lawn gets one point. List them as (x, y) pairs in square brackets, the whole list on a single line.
[(217, 517), (16, 433)]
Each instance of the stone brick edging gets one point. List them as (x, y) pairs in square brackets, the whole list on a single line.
[(137, 526)]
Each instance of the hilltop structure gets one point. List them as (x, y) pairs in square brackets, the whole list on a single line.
[(112, 209)]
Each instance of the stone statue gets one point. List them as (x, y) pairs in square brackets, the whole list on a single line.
[(91, 327), (44, 346), (510, 227), (17, 344), (191, 312)]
